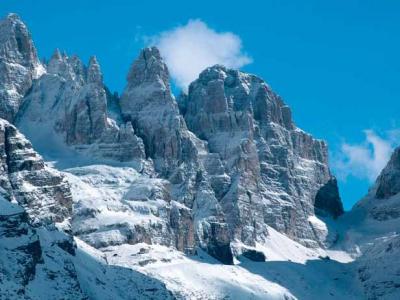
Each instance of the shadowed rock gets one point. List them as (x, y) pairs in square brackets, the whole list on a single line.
[(327, 200)]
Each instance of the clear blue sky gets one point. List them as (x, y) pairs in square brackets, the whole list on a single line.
[(336, 63)]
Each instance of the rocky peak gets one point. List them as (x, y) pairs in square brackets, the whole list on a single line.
[(179, 156), (150, 68), (94, 74), (76, 98), (264, 153), (388, 182), (68, 68), (16, 42), (382, 203), (19, 64), (148, 103)]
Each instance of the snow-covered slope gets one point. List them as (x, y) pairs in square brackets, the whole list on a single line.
[(371, 233)]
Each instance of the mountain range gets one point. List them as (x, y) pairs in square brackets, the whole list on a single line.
[(213, 194)]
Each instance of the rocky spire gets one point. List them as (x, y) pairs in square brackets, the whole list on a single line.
[(76, 98), (56, 64), (19, 64), (149, 68), (178, 155), (94, 74), (147, 102)]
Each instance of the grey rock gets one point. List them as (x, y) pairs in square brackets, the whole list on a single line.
[(178, 154), (42, 192), (378, 272), (76, 99), (388, 182), (382, 203), (33, 254), (218, 242), (19, 65), (327, 200), (275, 169), (143, 208), (254, 255)]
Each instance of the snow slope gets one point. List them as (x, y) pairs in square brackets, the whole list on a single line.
[(292, 271)]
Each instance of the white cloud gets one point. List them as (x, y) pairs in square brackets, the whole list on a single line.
[(191, 48), (366, 160)]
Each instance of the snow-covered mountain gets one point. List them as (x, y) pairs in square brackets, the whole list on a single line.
[(215, 195)]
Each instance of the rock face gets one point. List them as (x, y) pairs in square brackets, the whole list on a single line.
[(19, 65), (178, 154), (31, 255), (388, 181), (375, 224), (275, 169), (327, 200), (147, 102), (148, 179), (31, 246), (77, 101), (231, 160), (377, 270), (117, 206), (42, 192), (39, 258), (383, 200)]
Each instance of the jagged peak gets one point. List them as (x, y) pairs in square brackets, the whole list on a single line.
[(14, 20), (66, 66), (56, 54), (13, 17), (388, 182), (94, 72), (149, 67), (148, 52), (15, 38), (93, 60)]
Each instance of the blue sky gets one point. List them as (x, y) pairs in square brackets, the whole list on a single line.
[(336, 63)]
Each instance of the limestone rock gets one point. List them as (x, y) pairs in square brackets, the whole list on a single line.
[(43, 192), (76, 99), (327, 200), (389, 179), (275, 169), (19, 65)]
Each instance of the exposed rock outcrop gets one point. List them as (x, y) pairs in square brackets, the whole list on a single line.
[(34, 198), (378, 271), (42, 192), (382, 203), (19, 65), (327, 200), (120, 206), (39, 257), (178, 154), (231, 158), (388, 182), (76, 99), (275, 169)]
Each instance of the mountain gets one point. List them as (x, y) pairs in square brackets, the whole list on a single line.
[(214, 195), (19, 65), (373, 226)]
